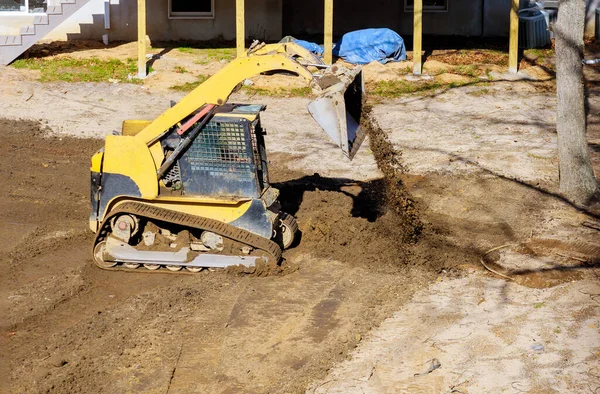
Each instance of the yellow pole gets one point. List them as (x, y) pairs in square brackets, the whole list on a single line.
[(141, 8), (513, 46), (240, 28), (417, 37), (328, 33)]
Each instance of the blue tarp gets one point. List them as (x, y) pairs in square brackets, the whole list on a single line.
[(311, 46), (365, 46)]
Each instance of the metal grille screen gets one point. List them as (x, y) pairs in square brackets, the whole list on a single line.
[(220, 148), (220, 161)]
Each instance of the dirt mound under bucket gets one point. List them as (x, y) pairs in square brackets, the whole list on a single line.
[(369, 224), (389, 162)]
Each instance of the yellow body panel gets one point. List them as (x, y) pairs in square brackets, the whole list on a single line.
[(223, 210), (96, 165), (218, 211), (131, 157), (158, 154), (132, 127)]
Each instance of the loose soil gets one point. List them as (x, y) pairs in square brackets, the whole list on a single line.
[(70, 327), (482, 172)]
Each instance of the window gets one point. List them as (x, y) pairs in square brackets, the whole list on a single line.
[(428, 5), (191, 9), (23, 6)]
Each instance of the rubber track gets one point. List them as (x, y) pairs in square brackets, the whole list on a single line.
[(226, 230)]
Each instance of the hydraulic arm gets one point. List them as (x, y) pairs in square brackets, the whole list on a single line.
[(337, 107)]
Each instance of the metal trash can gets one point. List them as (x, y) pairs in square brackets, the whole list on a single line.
[(533, 29)]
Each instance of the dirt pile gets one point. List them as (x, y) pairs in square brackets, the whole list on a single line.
[(370, 224), (344, 220), (389, 162)]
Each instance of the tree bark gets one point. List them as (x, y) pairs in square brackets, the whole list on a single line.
[(577, 181)]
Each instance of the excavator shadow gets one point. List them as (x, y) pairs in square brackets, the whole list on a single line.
[(368, 198)]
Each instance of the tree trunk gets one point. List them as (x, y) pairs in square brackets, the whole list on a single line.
[(577, 181)]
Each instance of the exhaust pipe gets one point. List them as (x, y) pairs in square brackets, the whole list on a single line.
[(338, 108)]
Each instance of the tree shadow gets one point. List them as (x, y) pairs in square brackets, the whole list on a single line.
[(533, 62), (594, 213)]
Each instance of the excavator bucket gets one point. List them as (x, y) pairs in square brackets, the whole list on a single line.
[(338, 108)]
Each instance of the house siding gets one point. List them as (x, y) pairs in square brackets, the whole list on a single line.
[(263, 21), (464, 17), (272, 19)]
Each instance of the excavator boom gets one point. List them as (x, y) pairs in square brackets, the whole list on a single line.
[(337, 107)]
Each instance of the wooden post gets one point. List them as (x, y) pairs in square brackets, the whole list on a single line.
[(141, 8), (240, 28), (513, 46), (328, 32), (417, 37)]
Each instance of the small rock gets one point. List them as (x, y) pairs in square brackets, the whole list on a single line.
[(58, 361), (537, 347)]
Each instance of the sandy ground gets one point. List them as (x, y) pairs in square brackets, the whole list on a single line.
[(487, 336), (362, 312)]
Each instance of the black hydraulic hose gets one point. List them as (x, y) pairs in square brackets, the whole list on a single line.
[(184, 144)]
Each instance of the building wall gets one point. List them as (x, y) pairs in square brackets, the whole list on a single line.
[(464, 17), (263, 21), (272, 19), (489, 18)]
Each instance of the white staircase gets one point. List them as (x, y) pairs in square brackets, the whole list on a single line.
[(13, 46)]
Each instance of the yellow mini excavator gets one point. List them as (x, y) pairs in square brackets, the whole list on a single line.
[(191, 190)]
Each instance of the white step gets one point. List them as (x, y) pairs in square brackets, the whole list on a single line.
[(54, 10), (28, 30), (10, 40), (40, 20), (13, 46)]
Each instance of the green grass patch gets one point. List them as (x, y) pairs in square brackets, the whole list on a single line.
[(479, 92), (180, 70), (278, 92), (80, 70), (398, 88), (189, 86), (536, 52), (207, 55), (301, 92), (467, 71), (219, 54)]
